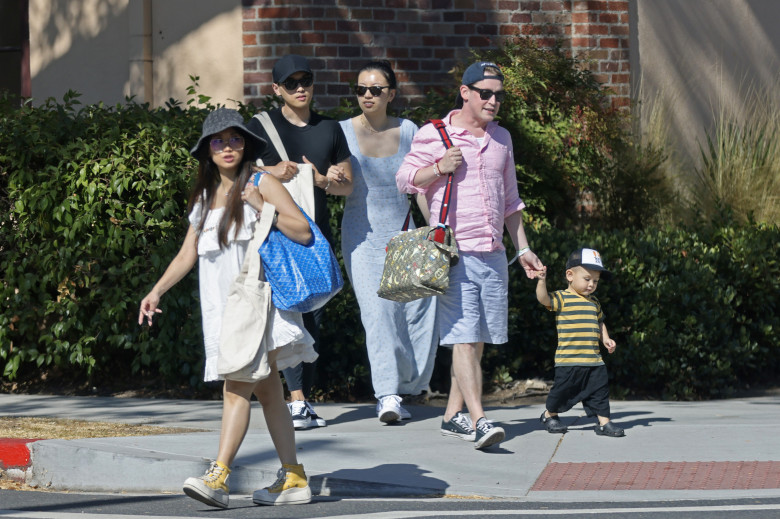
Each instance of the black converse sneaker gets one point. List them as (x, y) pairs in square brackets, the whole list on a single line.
[(459, 426), (487, 434)]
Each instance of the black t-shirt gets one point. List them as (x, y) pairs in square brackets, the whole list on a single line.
[(322, 141)]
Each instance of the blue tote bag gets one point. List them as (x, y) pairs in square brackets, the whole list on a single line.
[(302, 277)]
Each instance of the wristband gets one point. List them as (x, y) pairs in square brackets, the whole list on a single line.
[(519, 254), (436, 170)]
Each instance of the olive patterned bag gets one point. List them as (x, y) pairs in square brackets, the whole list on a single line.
[(418, 262)]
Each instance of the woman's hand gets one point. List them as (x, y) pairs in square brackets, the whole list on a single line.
[(251, 195), (149, 308), (336, 173)]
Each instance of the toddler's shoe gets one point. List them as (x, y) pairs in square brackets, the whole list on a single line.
[(610, 429), (553, 424)]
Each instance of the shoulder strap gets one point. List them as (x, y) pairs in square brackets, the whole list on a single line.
[(251, 265), (445, 201), (270, 129)]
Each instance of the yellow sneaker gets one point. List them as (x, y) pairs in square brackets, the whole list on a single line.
[(210, 488), (291, 488)]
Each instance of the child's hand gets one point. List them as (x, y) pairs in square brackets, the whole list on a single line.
[(540, 274), (610, 345)]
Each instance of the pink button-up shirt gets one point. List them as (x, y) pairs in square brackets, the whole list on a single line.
[(484, 186)]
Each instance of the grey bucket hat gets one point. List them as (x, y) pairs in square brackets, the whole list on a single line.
[(222, 119)]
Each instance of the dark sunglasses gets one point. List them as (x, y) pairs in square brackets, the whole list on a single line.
[(235, 143), (292, 84), (486, 94), (361, 90)]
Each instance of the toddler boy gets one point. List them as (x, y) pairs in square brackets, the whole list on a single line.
[(580, 373)]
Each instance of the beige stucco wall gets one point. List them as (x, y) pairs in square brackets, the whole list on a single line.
[(107, 49), (696, 54)]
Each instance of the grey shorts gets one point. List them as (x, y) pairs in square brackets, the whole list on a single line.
[(475, 307)]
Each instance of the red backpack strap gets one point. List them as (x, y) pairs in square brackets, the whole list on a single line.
[(439, 125), (445, 202)]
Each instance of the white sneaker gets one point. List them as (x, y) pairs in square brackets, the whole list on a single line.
[(388, 409), (301, 417)]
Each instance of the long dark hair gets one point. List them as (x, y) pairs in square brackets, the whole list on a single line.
[(205, 190)]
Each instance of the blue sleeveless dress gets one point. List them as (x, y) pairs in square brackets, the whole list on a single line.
[(401, 338)]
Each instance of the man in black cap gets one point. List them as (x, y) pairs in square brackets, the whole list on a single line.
[(311, 138)]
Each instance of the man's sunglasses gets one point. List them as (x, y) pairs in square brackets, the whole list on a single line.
[(292, 84), (486, 94), (235, 143), (361, 90)]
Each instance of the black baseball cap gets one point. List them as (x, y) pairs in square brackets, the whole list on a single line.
[(289, 65)]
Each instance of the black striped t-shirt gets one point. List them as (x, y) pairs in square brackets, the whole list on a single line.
[(577, 319)]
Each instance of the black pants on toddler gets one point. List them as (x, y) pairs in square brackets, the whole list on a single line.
[(574, 384)]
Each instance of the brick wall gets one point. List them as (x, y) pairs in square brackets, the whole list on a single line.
[(424, 39)]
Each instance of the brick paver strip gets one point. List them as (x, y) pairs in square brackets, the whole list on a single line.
[(670, 475)]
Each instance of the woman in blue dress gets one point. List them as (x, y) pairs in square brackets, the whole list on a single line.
[(401, 338)]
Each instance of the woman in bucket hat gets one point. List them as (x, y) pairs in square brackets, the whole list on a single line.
[(223, 206)]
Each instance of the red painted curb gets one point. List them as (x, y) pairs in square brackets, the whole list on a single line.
[(14, 452)]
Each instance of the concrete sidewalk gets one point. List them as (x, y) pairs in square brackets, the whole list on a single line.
[(672, 450)]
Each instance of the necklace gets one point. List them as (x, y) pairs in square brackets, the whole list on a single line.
[(367, 125), (225, 191)]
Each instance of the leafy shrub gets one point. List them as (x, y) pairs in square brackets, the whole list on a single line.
[(93, 206), (577, 158), (693, 315), (92, 200)]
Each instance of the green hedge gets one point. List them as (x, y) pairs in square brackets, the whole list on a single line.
[(93, 208), (694, 316)]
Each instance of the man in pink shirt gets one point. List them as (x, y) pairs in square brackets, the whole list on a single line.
[(474, 310)]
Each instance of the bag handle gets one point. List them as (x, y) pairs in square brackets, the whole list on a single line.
[(252, 265), (270, 129)]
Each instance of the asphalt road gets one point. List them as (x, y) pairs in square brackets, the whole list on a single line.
[(55, 505)]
